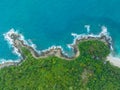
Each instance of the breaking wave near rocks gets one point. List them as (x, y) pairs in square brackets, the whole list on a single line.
[(14, 38)]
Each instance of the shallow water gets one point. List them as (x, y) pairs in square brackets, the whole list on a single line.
[(49, 23)]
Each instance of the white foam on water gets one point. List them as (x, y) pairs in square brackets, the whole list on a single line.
[(113, 59), (7, 37), (30, 43), (2, 61), (88, 28), (10, 41)]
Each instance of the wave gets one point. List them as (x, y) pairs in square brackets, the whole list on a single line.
[(10, 41), (2, 61), (87, 28), (34, 46)]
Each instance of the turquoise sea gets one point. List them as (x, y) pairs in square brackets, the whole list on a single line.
[(51, 22)]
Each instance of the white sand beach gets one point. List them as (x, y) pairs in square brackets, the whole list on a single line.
[(114, 60)]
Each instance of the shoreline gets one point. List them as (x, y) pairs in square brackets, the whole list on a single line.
[(114, 60), (17, 41)]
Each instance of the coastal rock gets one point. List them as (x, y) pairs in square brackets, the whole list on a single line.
[(17, 41)]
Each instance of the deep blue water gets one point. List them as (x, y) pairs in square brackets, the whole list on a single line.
[(51, 22)]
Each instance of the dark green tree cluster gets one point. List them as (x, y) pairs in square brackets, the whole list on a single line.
[(93, 49), (89, 71)]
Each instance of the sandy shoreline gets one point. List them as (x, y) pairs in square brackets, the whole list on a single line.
[(17, 42), (114, 60)]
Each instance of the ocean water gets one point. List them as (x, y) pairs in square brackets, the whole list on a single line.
[(51, 22)]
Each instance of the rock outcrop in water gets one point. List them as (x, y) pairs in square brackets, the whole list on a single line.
[(17, 41)]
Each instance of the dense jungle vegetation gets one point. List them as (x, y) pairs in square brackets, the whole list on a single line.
[(90, 71)]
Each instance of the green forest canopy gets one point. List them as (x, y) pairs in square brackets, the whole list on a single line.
[(90, 71)]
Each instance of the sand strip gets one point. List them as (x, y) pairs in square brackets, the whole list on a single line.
[(114, 60)]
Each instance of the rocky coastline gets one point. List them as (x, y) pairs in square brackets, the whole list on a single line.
[(17, 43)]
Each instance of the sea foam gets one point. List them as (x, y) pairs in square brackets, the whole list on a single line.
[(31, 44), (87, 28), (11, 42)]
